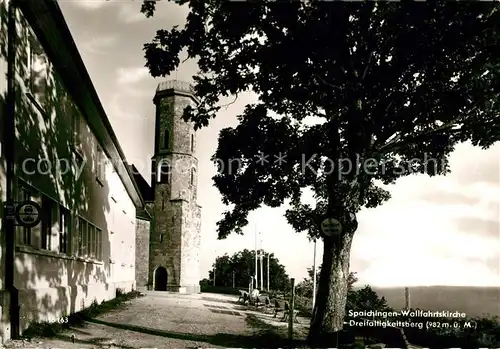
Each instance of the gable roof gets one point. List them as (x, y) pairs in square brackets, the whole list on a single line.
[(144, 188), (46, 19)]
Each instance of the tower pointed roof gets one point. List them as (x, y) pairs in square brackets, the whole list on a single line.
[(175, 87)]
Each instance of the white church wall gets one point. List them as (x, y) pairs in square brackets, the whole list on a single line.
[(4, 301), (83, 250)]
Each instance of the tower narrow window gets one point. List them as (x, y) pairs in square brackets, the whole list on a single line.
[(161, 237), (166, 139), (192, 176), (192, 143), (163, 175)]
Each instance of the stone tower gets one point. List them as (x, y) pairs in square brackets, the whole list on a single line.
[(174, 253)]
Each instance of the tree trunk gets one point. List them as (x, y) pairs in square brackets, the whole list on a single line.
[(329, 310)]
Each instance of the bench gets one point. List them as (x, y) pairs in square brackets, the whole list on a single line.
[(267, 304), (287, 314), (261, 301), (243, 296), (283, 306), (279, 305)]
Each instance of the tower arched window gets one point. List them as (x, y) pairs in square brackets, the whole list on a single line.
[(166, 139), (163, 174), (192, 143), (192, 176)]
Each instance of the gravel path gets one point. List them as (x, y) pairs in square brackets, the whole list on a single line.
[(160, 320)]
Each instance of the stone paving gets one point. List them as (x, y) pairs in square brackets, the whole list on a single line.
[(163, 320)]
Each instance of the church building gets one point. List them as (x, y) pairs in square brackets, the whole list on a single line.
[(171, 259), (59, 152), (100, 228)]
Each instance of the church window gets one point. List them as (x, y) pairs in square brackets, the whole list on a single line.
[(192, 143), (100, 166), (166, 139), (163, 175), (161, 237), (39, 69)]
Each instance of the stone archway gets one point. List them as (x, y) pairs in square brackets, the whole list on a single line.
[(160, 279)]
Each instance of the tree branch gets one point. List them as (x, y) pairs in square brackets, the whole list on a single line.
[(231, 103), (393, 146), (326, 82), (367, 66)]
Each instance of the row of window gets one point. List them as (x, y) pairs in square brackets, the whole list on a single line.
[(53, 233), (89, 240)]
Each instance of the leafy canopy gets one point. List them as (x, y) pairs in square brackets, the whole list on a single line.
[(397, 83)]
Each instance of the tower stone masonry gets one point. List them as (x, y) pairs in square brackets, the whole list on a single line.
[(174, 252)]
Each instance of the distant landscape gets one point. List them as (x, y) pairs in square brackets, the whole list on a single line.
[(474, 301)]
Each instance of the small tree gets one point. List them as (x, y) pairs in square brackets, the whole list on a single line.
[(242, 264), (366, 299), (351, 280)]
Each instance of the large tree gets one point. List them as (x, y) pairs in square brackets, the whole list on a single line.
[(242, 264), (394, 86)]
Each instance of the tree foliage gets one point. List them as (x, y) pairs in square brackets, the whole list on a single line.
[(392, 88), (351, 65), (366, 299), (243, 265)]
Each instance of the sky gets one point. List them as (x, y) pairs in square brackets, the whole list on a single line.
[(433, 231)]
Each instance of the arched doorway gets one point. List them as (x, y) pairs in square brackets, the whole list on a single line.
[(161, 278)]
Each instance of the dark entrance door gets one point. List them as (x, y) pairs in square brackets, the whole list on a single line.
[(161, 278)]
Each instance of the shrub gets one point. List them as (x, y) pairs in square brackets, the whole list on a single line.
[(365, 299)]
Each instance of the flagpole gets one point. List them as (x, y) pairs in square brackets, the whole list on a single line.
[(261, 264), (256, 280), (268, 272), (314, 275)]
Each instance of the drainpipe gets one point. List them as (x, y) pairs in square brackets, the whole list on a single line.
[(9, 129)]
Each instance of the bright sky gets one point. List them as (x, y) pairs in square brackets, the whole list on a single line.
[(434, 231)]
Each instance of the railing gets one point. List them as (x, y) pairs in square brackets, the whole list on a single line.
[(176, 85)]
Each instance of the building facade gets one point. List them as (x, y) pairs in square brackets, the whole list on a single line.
[(68, 160), (143, 229), (174, 236)]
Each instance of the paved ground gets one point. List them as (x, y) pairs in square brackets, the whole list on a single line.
[(165, 320)]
